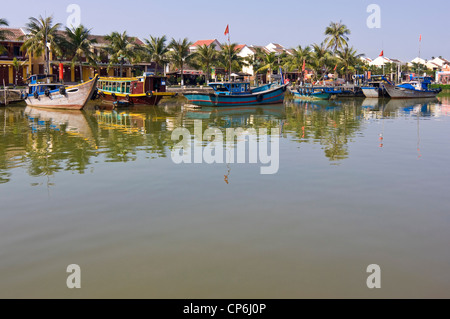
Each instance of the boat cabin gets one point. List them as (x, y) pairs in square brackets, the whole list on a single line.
[(136, 85), (420, 83), (42, 83), (231, 88)]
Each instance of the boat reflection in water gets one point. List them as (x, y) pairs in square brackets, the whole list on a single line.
[(121, 206), (48, 141), (72, 122)]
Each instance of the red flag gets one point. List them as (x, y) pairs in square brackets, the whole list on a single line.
[(304, 66), (335, 67), (227, 30), (420, 38), (382, 53)]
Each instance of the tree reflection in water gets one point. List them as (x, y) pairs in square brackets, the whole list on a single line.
[(332, 124), (46, 141)]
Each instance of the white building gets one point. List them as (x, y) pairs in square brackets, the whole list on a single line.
[(440, 62), (247, 51), (380, 61), (418, 61)]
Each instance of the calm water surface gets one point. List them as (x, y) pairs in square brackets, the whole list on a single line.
[(359, 182)]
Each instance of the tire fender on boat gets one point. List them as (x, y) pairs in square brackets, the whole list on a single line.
[(259, 98), (283, 88), (149, 93), (114, 96), (36, 95)]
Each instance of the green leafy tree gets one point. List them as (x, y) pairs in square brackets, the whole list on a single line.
[(337, 36), (348, 59), (157, 51), (4, 33), (80, 45), (270, 63), (121, 47), (180, 54), (300, 56), (42, 33), (255, 61), (229, 54), (321, 60), (205, 57)]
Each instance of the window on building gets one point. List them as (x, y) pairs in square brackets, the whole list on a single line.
[(16, 51)]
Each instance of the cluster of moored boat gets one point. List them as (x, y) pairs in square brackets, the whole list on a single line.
[(43, 91), (378, 86)]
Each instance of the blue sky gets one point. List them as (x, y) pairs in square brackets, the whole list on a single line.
[(259, 22)]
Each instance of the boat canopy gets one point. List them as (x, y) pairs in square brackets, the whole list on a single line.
[(229, 88), (418, 83), (39, 78)]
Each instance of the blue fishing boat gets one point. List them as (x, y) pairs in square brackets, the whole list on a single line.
[(237, 94), (314, 92), (417, 88)]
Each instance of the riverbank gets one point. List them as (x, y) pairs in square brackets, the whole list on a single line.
[(442, 86)]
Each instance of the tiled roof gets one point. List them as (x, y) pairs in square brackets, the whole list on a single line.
[(14, 34), (253, 47), (278, 46), (203, 42), (239, 47)]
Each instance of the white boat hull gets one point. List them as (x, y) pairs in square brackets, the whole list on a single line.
[(75, 97), (370, 92)]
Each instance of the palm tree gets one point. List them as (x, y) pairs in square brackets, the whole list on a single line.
[(41, 33), (180, 54), (205, 57), (255, 61), (336, 34), (348, 59), (269, 63), (321, 59), (121, 47), (79, 44), (300, 56), (229, 55), (156, 50), (4, 33)]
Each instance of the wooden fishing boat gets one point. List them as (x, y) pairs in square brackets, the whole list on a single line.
[(147, 89), (237, 94), (312, 93), (374, 88), (417, 88), (43, 93)]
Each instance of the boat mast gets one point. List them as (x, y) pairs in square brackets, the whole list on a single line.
[(420, 42)]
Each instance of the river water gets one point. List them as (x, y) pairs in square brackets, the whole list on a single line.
[(358, 182)]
